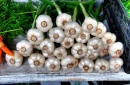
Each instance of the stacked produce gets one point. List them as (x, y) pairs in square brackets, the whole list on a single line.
[(69, 44)]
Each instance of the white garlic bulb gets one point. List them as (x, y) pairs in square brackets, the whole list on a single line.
[(47, 46), (86, 65), (24, 47), (115, 64), (60, 52), (94, 44), (91, 56), (89, 25), (109, 38), (67, 42), (62, 19), (44, 23), (83, 37), (101, 65), (36, 60), (103, 51), (100, 30), (69, 63), (79, 50), (52, 64), (15, 60), (72, 29), (35, 36), (116, 49), (56, 34)]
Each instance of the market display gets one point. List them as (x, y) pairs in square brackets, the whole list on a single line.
[(68, 44)]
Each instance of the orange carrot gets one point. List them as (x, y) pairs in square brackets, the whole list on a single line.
[(5, 49), (0, 56)]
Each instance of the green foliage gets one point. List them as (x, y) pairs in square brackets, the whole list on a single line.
[(15, 18)]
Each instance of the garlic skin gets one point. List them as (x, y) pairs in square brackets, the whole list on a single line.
[(24, 47), (62, 19), (60, 52), (89, 25), (101, 65), (52, 64), (78, 50), (56, 34), (44, 23), (83, 37), (104, 51), (47, 46), (37, 47), (67, 42), (35, 36), (100, 30), (86, 65), (16, 60), (116, 50), (91, 56), (94, 44), (69, 63), (72, 29), (47, 55), (116, 64), (36, 60), (109, 38)]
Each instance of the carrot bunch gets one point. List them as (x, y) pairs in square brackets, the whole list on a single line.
[(4, 48)]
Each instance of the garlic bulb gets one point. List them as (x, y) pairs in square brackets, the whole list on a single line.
[(69, 63), (36, 60), (15, 60), (67, 42), (52, 64), (115, 64), (60, 52), (37, 47), (83, 37), (86, 65), (116, 50), (103, 51), (56, 34), (72, 29), (94, 44), (35, 36), (91, 56), (47, 46), (100, 30), (24, 47), (89, 25), (62, 19), (101, 65), (44, 23), (79, 50), (47, 55), (109, 38)]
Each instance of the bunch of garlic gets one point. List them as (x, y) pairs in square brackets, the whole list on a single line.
[(116, 49), (36, 60), (56, 34), (52, 64), (44, 23), (47, 47), (69, 63), (15, 60), (24, 47), (35, 36), (86, 65), (102, 65)]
